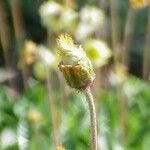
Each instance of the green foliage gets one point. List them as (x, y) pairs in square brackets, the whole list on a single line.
[(75, 122)]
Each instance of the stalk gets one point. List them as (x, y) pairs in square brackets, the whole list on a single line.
[(19, 33), (121, 57), (115, 29), (5, 38), (122, 108), (128, 34), (37, 136), (125, 58), (92, 109), (146, 57), (56, 138)]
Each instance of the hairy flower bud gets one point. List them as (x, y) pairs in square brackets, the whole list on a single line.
[(75, 65)]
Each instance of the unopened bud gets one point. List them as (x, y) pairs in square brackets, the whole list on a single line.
[(75, 65)]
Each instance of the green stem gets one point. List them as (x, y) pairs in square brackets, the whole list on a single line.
[(92, 109)]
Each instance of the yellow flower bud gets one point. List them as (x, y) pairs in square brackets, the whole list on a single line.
[(34, 115), (75, 65), (60, 147), (28, 54), (138, 4)]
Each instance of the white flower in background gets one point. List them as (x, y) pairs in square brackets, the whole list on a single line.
[(45, 55), (98, 51), (8, 138), (22, 135), (102, 143), (57, 18), (118, 147), (68, 20), (49, 13), (91, 19), (49, 8), (83, 31), (45, 62), (119, 75), (92, 15)]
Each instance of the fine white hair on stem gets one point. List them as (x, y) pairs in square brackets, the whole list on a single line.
[(92, 109)]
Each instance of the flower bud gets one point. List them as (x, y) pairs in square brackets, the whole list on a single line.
[(28, 54), (34, 115), (139, 4), (75, 65), (60, 147)]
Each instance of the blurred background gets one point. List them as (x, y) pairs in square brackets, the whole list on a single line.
[(37, 108)]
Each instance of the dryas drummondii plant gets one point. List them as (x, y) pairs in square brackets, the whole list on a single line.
[(78, 72)]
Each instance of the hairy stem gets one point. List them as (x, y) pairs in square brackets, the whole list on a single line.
[(92, 109)]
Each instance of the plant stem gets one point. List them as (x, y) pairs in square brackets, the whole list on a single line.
[(128, 34), (92, 109), (54, 114), (146, 57), (20, 35), (115, 31), (122, 108), (5, 39)]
